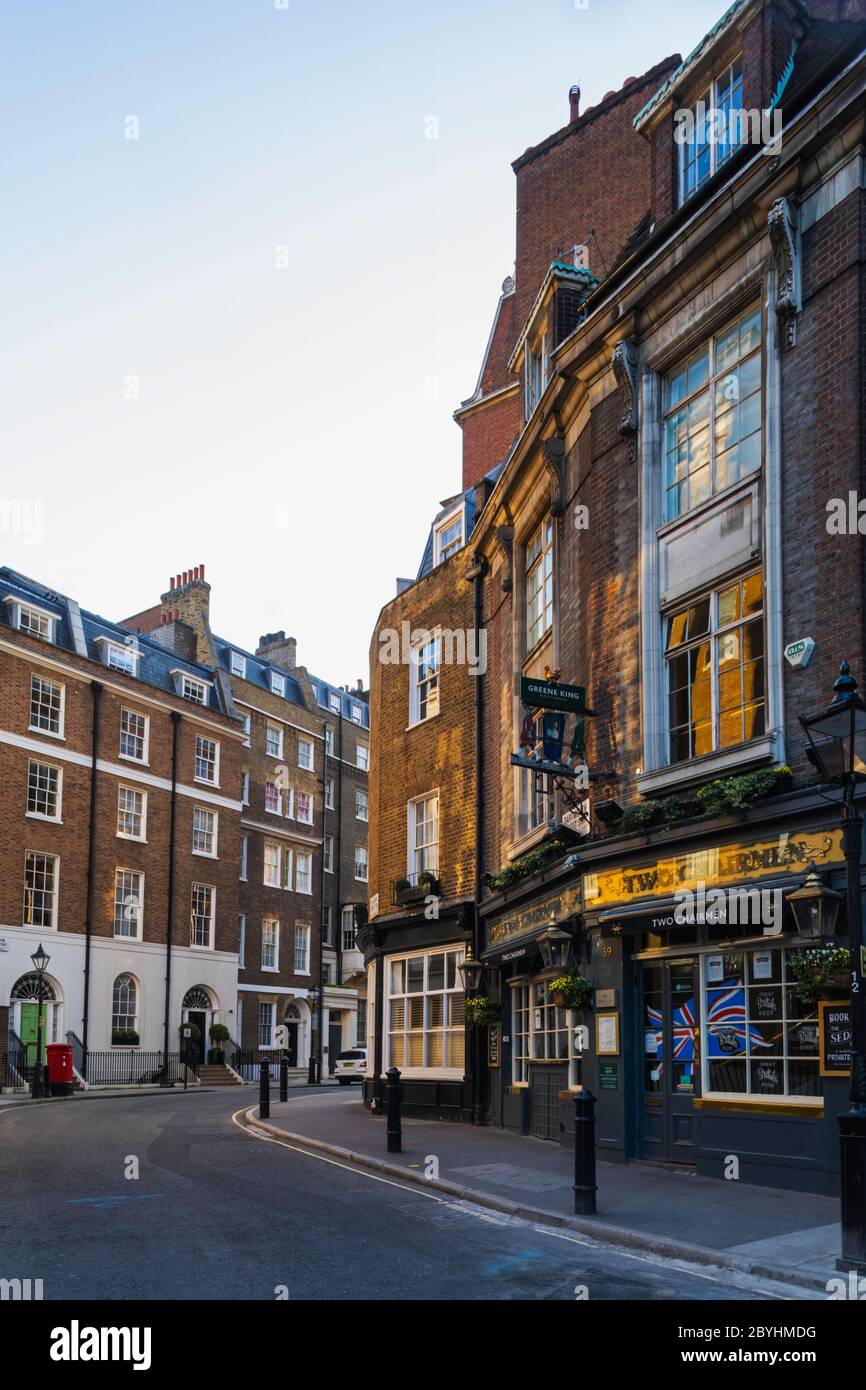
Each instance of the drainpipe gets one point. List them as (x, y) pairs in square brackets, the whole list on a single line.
[(476, 574), (321, 1078), (175, 730), (338, 927), (95, 693)]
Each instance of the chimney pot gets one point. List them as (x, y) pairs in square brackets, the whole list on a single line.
[(574, 102), (201, 571)]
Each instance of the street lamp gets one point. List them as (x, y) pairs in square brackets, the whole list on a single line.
[(836, 739), (315, 1025), (471, 972), (815, 907), (555, 947), (40, 959)]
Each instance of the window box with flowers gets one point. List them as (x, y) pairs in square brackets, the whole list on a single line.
[(124, 1037), (823, 973)]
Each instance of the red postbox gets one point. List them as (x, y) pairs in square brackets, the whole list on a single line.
[(59, 1064)]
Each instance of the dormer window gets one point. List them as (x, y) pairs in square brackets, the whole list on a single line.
[(278, 683), (32, 620), (448, 535), (118, 656), (710, 131), (238, 665), (335, 704), (191, 688), (536, 371)]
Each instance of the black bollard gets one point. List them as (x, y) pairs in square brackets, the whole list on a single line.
[(584, 1153), (393, 1127), (284, 1077), (264, 1091)]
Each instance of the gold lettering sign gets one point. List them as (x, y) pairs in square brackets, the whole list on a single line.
[(531, 918), (791, 853)]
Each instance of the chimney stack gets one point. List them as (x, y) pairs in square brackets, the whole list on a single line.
[(187, 600), (574, 103), (280, 649)]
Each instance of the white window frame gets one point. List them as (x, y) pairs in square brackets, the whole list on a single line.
[(445, 551), (305, 743), (242, 945), (271, 925), (542, 565), (710, 98), (245, 858), (328, 853), (213, 832), (45, 628), (302, 955), (277, 731), (207, 781), (142, 814), (362, 762), (428, 1026), (273, 804), (245, 787), (196, 946), (193, 689), (288, 869), (425, 691), (59, 732), (348, 927), (335, 704), (278, 684), (125, 733), (357, 713), (247, 722), (238, 665), (271, 863), (54, 890), (57, 818), (362, 862), (306, 855), (267, 1011), (362, 805), (119, 656), (311, 808), (121, 908), (329, 794), (414, 864)]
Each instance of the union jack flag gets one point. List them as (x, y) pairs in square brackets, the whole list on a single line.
[(726, 1016)]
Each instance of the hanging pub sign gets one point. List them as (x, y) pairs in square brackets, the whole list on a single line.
[(835, 1037), (544, 694), (552, 735)]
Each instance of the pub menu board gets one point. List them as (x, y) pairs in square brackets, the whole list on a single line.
[(835, 1037), (493, 1045)]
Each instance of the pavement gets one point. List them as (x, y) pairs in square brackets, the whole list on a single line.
[(789, 1237)]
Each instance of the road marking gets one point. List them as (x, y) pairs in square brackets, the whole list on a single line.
[(467, 1209), (107, 1202)]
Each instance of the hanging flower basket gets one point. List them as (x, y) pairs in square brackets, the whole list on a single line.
[(824, 973), (481, 1011), (571, 992)]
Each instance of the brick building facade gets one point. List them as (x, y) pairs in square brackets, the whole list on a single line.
[(689, 382), (109, 742)]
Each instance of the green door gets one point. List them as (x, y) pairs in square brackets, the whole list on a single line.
[(28, 1031)]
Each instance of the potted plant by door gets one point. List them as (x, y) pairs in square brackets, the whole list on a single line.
[(218, 1034), (570, 992)]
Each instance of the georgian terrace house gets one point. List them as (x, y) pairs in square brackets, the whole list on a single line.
[(685, 391), (120, 834), (294, 845)]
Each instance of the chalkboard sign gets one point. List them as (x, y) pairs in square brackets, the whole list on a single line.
[(493, 1045), (836, 1036)]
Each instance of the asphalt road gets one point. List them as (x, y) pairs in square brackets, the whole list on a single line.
[(215, 1213)]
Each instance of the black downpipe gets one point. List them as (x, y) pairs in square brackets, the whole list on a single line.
[(95, 693), (478, 1067), (169, 924)]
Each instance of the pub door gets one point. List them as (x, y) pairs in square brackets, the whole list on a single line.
[(670, 1038)]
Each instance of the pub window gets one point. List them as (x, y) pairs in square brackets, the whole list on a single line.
[(542, 1033), (715, 665), (426, 1013), (712, 408), (761, 1039)]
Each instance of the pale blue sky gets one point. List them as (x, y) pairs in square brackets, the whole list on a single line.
[(292, 427)]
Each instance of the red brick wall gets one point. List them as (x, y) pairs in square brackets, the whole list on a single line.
[(488, 435)]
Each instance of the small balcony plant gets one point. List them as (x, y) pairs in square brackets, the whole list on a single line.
[(124, 1037), (570, 992)]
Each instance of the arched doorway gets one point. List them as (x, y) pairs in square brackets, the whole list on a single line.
[(199, 1007), (293, 1029), (29, 994)]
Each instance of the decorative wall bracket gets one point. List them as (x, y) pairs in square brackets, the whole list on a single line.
[(782, 224), (553, 453), (504, 536), (624, 362)]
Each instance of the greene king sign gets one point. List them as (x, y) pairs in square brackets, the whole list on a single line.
[(553, 695)]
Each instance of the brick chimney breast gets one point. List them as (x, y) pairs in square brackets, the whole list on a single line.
[(187, 600)]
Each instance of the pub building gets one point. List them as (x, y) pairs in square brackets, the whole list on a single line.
[(696, 1046)]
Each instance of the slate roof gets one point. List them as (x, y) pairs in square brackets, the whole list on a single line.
[(347, 699), (259, 670), (155, 663)]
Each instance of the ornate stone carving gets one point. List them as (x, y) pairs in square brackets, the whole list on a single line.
[(785, 241), (553, 453), (505, 544), (624, 362)]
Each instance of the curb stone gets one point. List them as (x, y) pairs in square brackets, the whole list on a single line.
[(603, 1233)]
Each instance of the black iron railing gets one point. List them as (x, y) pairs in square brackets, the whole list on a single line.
[(13, 1065), (246, 1061), (136, 1068), (77, 1052)]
